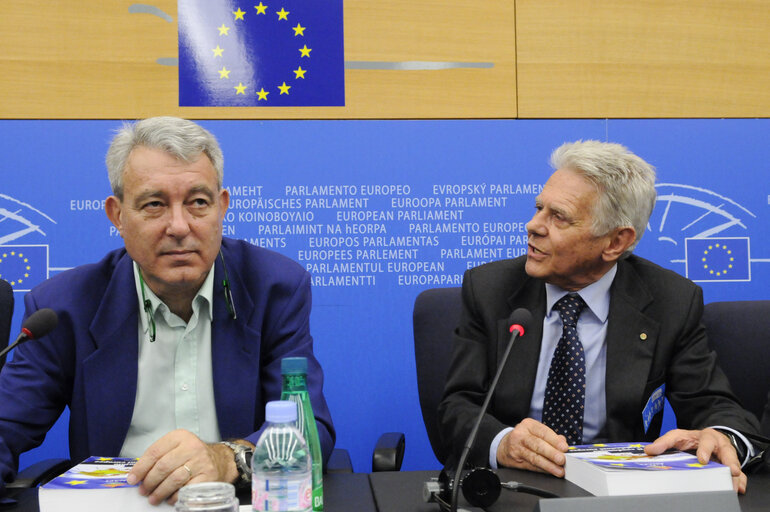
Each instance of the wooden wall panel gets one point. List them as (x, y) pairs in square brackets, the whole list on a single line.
[(548, 58), (85, 59), (95, 59), (643, 58), (433, 31)]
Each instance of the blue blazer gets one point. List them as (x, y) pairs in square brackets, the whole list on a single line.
[(89, 361)]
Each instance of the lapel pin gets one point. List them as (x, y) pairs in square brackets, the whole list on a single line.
[(643, 336)]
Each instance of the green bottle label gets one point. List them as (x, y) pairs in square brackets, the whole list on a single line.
[(295, 389)]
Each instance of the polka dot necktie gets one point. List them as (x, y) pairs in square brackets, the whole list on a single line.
[(565, 391)]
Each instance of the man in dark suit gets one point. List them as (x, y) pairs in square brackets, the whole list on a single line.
[(167, 349), (629, 334)]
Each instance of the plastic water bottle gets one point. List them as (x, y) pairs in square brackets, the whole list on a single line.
[(281, 470), (294, 388), (207, 497)]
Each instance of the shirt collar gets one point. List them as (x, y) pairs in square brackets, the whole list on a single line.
[(596, 295), (204, 297)]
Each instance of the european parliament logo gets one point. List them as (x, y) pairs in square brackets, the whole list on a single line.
[(23, 266), (275, 53), (718, 259)]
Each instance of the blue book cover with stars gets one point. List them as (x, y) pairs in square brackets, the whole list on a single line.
[(619, 456), (272, 53), (95, 473)]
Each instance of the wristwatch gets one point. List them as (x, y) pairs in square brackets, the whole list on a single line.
[(242, 454)]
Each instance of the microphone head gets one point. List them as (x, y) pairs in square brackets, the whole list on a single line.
[(520, 320), (481, 487), (40, 323)]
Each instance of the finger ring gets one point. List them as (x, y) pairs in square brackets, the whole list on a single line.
[(189, 471)]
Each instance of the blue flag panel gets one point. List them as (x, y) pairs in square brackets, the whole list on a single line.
[(718, 259), (23, 266), (277, 53)]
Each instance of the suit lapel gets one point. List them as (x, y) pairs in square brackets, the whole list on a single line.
[(235, 354), (110, 372), (521, 369), (631, 340)]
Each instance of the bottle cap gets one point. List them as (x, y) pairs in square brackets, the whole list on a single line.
[(281, 411), (293, 365), (206, 496)]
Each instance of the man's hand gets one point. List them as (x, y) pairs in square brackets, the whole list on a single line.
[(177, 459), (533, 446), (708, 443)]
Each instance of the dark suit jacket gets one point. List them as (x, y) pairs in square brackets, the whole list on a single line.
[(89, 361), (654, 336)]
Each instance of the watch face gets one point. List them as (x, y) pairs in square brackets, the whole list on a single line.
[(243, 464), (242, 455)]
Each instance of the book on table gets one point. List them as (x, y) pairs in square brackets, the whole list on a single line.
[(619, 469), (96, 484)]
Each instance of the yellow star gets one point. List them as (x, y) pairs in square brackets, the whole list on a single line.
[(305, 51), (299, 72), (696, 465), (224, 72), (75, 482), (239, 14), (262, 93), (218, 51), (282, 14), (260, 8), (284, 88), (223, 30), (299, 30), (104, 472), (240, 88)]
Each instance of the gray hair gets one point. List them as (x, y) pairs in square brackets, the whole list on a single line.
[(625, 183), (178, 137)]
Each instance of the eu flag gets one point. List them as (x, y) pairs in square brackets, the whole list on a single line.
[(718, 259), (277, 53), (23, 266)]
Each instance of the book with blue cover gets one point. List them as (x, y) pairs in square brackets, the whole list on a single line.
[(617, 469), (98, 484)]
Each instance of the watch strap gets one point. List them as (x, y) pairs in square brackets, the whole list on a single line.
[(242, 456)]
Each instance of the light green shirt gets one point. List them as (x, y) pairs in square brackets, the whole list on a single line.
[(175, 385)]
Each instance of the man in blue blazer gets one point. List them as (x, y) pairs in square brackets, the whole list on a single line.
[(638, 330), (168, 349)]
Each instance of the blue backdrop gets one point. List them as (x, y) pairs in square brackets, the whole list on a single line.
[(380, 210)]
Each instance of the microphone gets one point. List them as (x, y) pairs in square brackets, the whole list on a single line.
[(38, 324), (481, 487)]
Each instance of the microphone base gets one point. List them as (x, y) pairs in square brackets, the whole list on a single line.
[(481, 487)]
